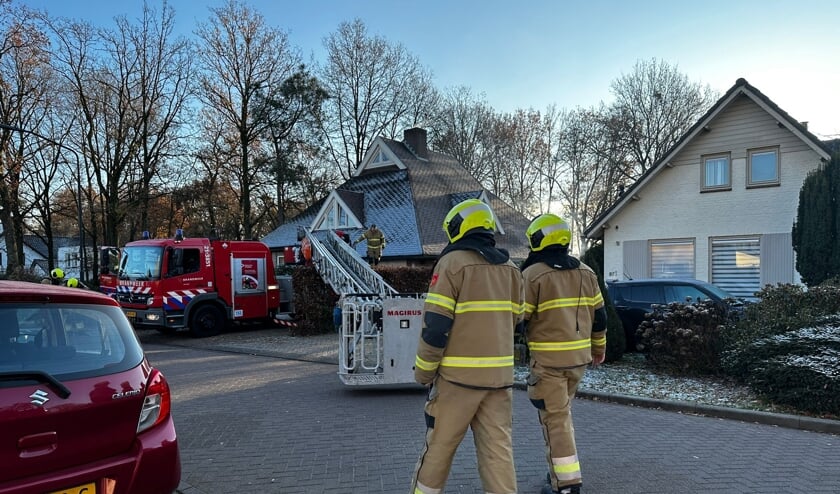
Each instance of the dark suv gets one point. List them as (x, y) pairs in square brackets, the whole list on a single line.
[(635, 298)]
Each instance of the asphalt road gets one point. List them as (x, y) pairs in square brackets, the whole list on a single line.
[(269, 424)]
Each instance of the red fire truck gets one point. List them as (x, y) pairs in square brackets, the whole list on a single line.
[(197, 283)]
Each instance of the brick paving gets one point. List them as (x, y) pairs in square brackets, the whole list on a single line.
[(264, 412)]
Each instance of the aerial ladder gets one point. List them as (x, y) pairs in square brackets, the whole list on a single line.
[(380, 327)]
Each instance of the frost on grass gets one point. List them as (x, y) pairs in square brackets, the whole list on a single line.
[(629, 376)]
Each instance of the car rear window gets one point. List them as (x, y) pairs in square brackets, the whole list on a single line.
[(651, 294), (67, 341)]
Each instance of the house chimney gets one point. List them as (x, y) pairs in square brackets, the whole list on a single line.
[(415, 139), (804, 124)]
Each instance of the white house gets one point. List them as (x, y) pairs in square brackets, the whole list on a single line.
[(35, 252), (720, 205)]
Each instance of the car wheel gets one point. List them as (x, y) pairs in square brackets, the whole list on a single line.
[(206, 320)]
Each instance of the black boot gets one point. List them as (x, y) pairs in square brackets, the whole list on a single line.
[(566, 489)]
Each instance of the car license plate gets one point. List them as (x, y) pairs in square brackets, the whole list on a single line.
[(130, 313), (79, 489)]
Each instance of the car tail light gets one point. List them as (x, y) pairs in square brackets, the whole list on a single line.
[(156, 404)]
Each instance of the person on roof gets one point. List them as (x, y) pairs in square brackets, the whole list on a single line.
[(375, 244)]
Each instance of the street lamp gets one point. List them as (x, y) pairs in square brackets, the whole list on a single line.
[(82, 252)]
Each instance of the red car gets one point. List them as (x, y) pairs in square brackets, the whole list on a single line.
[(81, 409)]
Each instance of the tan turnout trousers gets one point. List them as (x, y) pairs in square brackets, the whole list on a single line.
[(450, 409), (551, 391)]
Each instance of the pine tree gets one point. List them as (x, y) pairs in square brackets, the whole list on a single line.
[(817, 225)]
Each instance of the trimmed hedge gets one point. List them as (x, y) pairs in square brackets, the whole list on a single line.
[(406, 279), (788, 345), (797, 368), (314, 302)]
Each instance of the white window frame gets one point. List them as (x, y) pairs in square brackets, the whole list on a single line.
[(682, 250), (705, 159), (334, 214), (762, 151)]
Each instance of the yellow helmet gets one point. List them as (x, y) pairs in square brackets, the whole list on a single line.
[(467, 215), (72, 282), (57, 274), (548, 229)]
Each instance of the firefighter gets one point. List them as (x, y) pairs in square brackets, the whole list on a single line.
[(465, 352), (75, 283), (375, 243), (56, 277), (565, 327)]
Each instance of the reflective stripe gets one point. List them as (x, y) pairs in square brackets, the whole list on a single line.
[(559, 346), (488, 306), (440, 300), (602, 341), (425, 364), (553, 228), (570, 302), (529, 308), (567, 468), (424, 489), (478, 362)]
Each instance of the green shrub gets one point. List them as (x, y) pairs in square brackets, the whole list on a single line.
[(780, 309), (616, 341), (797, 368), (314, 302), (406, 279), (685, 338)]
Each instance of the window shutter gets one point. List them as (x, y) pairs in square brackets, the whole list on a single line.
[(736, 265), (776, 258), (635, 259), (672, 259)]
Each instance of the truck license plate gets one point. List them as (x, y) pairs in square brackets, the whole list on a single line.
[(130, 314)]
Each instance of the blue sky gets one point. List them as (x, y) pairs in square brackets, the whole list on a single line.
[(534, 53)]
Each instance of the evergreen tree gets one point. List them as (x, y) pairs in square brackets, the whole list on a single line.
[(817, 225)]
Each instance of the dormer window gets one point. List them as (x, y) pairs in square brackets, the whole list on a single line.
[(380, 157), (333, 215)]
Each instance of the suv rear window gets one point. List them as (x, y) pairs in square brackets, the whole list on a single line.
[(67, 341)]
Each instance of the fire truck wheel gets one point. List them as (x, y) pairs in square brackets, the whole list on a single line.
[(206, 320)]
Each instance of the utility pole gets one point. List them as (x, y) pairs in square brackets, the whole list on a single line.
[(82, 250)]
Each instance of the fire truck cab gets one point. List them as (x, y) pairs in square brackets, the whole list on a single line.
[(198, 283)]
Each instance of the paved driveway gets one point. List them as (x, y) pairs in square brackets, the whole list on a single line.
[(263, 424)]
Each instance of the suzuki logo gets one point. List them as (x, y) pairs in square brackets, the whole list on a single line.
[(39, 397)]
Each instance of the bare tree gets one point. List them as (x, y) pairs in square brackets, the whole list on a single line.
[(242, 57), (526, 149), (656, 104), (162, 68), (548, 165), (376, 87), (462, 128), (292, 112), (25, 84), (581, 170)]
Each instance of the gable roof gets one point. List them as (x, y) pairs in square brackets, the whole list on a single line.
[(408, 197), (741, 87)]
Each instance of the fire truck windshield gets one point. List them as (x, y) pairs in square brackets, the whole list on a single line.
[(141, 263)]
